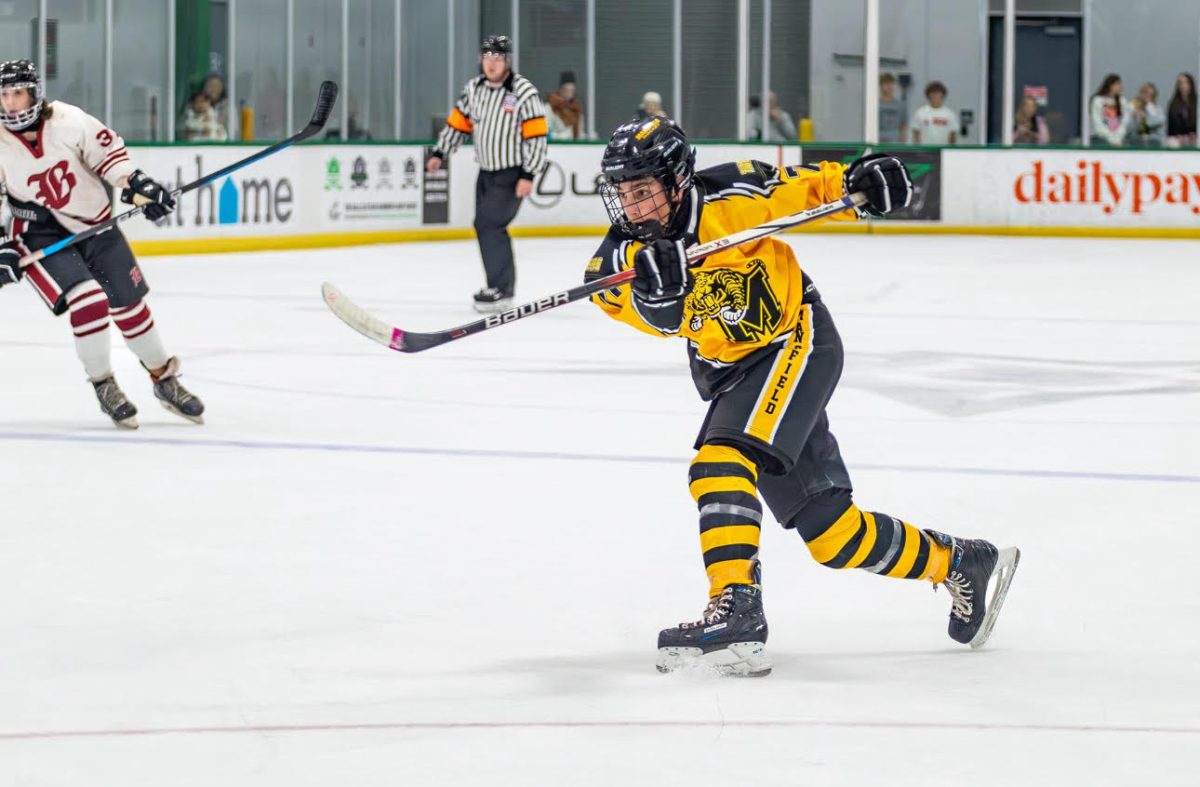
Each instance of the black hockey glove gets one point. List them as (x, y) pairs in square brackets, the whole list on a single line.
[(10, 268), (662, 274), (885, 181), (143, 190)]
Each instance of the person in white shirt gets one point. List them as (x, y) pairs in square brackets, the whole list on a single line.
[(56, 162), (935, 123), (1110, 114)]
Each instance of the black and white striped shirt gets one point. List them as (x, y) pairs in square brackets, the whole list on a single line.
[(507, 122)]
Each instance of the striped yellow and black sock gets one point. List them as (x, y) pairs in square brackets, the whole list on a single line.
[(880, 544), (723, 484)]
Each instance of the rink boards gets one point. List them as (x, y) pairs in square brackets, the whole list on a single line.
[(342, 194)]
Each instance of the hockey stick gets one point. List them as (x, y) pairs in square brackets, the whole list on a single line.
[(376, 329), (326, 97)]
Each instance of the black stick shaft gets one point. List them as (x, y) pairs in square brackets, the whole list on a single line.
[(325, 99)]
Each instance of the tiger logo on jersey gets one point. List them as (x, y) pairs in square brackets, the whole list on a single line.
[(742, 304)]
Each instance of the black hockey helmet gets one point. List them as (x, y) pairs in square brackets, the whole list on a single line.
[(21, 74), (496, 45), (654, 147)]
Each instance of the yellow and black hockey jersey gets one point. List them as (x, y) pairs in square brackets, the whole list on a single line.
[(745, 299)]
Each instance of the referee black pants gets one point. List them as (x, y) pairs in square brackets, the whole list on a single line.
[(496, 206)]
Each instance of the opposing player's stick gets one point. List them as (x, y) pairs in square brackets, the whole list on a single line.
[(326, 97), (411, 342)]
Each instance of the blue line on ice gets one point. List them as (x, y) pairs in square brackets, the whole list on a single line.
[(498, 453)]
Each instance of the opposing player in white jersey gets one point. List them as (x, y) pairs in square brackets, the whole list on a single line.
[(54, 161)]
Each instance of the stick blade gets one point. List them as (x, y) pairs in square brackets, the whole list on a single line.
[(326, 98), (360, 319)]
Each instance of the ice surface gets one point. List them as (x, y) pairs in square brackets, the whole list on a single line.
[(449, 568)]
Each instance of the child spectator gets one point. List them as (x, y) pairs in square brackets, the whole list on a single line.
[(200, 122), (1028, 126), (935, 123), (1146, 120)]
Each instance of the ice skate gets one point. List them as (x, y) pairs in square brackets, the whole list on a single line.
[(974, 565), (114, 404), (731, 637), (174, 397), (491, 300)]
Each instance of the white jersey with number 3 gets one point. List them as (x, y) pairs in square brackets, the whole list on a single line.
[(62, 171)]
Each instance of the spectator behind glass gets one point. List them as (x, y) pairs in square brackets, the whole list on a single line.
[(1146, 119), (651, 106), (1181, 113), (200, 121), (1028, 126), (566, 110), (935, 123), (1109, 114), (893, 115), (780, 128), (214, 88)]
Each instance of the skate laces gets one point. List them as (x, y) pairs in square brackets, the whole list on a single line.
[(174, 391), (717, 609), (110, 394), (961, 595)]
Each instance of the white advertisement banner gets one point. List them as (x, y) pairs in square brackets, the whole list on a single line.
[(565, 193), (370, 187), (1071, 188), (346, 188), (274, 196)]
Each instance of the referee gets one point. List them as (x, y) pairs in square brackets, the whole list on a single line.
[(503, 112)]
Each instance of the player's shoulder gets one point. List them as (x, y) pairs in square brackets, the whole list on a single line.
[(66, 117), (737, 177), (62, 112), (67, 122), (522, 88)]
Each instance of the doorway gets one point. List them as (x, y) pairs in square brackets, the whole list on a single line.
[(1049, 67)]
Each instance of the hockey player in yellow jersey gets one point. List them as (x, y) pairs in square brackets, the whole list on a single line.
[(765, 353)]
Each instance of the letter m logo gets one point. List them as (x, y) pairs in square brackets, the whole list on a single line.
[(763, 310)]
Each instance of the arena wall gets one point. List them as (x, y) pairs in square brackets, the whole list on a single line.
[(329, 195)]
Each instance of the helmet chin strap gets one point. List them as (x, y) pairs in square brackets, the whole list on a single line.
[(649, 230)]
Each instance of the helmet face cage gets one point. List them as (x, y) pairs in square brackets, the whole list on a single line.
[(16, 74), (647, 230), (669, 163)]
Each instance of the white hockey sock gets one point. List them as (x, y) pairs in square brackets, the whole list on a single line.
[(88, 306), (137, 326)]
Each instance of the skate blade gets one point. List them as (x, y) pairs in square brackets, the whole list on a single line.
[(129, 423), (493, 308), (740, 660), (170, 408), (1002, 575)]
